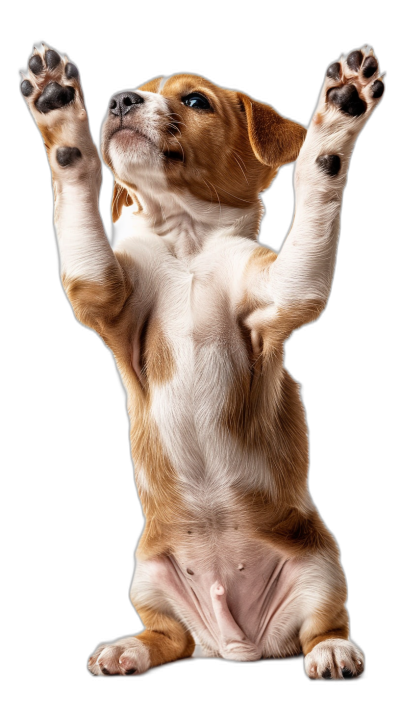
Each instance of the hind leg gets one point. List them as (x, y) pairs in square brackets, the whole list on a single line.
[(324, 634)]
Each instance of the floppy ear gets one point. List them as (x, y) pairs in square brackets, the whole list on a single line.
[(274, 139), (120, 198)]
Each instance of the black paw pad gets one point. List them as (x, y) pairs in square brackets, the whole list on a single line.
[(377, 89), (327, 674), (370, 67), (333, 71), (71, 72), (347, 99), (329, 164), (68, 155), (26, 88), (54, 97), (347, 673), (52, 59), (354, 60), (35, 64)]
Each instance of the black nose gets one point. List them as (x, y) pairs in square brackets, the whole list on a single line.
[(123, 102)]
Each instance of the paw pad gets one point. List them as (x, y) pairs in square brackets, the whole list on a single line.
[(354, 60), (354, 92), (347, 99), (45, 68), (54, 97), (377, 89), (67, 155), (71, 71), (52, 59), (334, 71), (370, 66), (329, 164), (26, 88), (35, 64)]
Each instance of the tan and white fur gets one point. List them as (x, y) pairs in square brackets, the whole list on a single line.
[(234, 553)]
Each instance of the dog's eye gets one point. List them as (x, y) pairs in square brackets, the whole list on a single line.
[(196, 101)]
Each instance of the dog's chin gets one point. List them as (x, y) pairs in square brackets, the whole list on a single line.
[(131, 152)]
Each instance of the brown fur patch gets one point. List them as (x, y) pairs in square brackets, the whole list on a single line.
[(109, 308), (298, 314), (120, 199), (264, 412), (159, 361), (341, 631), (236, 177), (260, 259), (274, 326), (161, 498), (152, 85), (293, 532), (165, 637), (97, 302)]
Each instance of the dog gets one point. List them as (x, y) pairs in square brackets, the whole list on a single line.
[(234, 553)]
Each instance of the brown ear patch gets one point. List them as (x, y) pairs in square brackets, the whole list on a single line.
[(274, 139), (121, 198), (152, 85)]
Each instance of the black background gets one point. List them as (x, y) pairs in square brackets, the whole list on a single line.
[(77, 518)]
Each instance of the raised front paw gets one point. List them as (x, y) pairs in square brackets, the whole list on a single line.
[(51, 82), (126, 656), (353, 85), (53, 92), (334, 659), (352, 89)]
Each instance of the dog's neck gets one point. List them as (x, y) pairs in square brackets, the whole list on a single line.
[(185, 222)]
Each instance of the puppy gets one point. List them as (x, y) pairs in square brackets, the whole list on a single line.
[(196, 312)]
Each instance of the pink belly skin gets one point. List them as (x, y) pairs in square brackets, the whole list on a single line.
[(240, 604)]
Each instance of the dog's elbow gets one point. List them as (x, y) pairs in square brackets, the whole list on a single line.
[(302, 311), (97, 303)]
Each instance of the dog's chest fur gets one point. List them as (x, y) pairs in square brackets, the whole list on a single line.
[(193, 358)]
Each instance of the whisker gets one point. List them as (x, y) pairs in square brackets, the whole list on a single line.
[(245, 177), (173, 115), (210, 201), (233, 196), (183, 153), (220, 210), (240, 158), (173, 126)]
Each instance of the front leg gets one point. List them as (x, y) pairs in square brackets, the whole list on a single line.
[(293, 288), (94, 280)]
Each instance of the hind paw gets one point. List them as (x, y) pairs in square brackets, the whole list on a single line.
[(334, 659)]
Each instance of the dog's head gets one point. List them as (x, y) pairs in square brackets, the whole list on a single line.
[(188, 136)]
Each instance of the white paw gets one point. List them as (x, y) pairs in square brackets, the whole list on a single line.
[(352, 89), (50, 84), (126, 656), (53, 93), (353, 86), (334, 659)]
